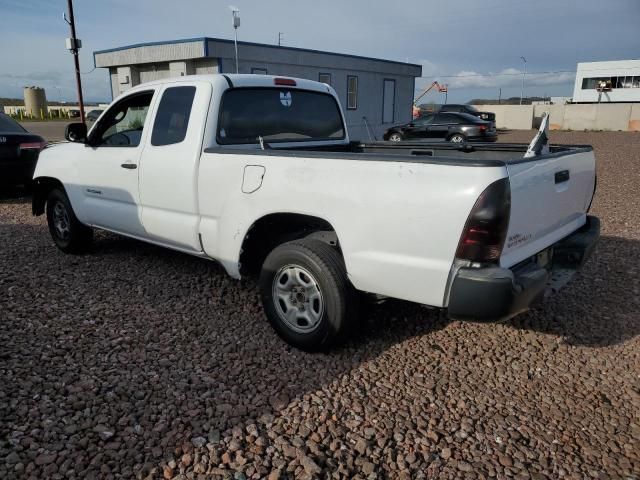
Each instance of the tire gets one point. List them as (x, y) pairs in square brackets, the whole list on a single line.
[(395, 137), (67, 232), (308, 278), (457, 138)]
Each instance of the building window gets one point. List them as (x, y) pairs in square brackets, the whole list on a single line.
[(611, 82), (325, 78), (352, 92), (259, 71)]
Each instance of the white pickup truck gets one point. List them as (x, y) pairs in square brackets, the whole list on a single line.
[(258, 173)]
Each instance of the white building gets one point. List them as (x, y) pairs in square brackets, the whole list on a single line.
[(621, 78)]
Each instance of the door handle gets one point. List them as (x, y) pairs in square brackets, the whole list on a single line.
[(129, 166), (562, 176)]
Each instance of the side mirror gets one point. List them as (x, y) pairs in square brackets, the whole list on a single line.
[(76, 132)]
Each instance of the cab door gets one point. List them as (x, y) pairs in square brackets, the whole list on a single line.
[(169, 165), (108, 166)]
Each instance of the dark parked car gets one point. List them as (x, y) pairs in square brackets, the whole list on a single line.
[(453, 127), (470, 109), (93, 115), (19, 152)]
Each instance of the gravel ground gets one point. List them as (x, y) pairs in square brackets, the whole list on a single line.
[(134, 361)]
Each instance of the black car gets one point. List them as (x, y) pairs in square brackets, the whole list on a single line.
[(19, 152), (470, 109), (452, 127)]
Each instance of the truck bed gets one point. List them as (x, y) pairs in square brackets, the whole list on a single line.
[(470, 155)]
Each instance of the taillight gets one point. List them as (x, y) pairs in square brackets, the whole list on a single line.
[(483, 128), (284, 81), (486, 228), (32, 145)]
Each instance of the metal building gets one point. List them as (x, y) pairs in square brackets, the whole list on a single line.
[(373, 92), (607, 82)]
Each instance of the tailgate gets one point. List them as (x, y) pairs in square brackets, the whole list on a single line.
[(550, 196)]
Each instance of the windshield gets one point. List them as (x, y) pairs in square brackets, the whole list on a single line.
[(471, 108), (8, 125), (278, 115)]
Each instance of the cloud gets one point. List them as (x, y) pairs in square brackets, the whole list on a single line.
[(508, 77)]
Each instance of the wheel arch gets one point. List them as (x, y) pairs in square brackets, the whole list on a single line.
[(273, 229), (42, 186)]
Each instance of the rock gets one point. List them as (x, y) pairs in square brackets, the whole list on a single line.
[(12, 458), (199, 442), (368, 468), (214, 436), (45, 458), (361, 446), (310, 466), (446, 453), (104, 432), (505, 460), (167, 472)]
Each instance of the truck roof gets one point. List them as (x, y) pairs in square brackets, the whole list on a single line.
[(242, 80)]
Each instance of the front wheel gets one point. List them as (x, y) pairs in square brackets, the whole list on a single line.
[(457, 138), (395, 137), (306, 294), (67, 232)]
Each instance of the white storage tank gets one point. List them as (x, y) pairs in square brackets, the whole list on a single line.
[(35, 101)]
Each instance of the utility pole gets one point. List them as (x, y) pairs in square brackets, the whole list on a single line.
[(523, 75), (73, 45), (499, 95), (280, 35)]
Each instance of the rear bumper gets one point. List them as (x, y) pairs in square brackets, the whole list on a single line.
[(496, 293), (17, 171)]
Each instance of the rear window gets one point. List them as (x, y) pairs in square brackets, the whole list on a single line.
[(8, 125), (278, 115)]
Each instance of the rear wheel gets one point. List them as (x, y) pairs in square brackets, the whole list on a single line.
[(306, 294), (395, 137), (67, 232), (457, 138)]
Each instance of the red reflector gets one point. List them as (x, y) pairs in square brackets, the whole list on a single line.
[(32, 146), (483, 128), (285, 81)]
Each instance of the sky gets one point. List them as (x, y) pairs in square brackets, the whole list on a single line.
[(474, 46)]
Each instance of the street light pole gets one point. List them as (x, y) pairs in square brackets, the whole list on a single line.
[(236, 23), (524, 60), (74, 44)]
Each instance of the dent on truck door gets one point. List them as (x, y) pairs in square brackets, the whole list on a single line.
[(108, 167), (168, 177)]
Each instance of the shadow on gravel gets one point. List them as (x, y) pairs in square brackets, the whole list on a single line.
[(14, 195), (600, 306)]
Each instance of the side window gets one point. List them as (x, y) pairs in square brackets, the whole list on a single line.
[(259, 71), (173, 114), (122, 124), (425, 120), (324, 78), (352, 92), (447, 118)]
